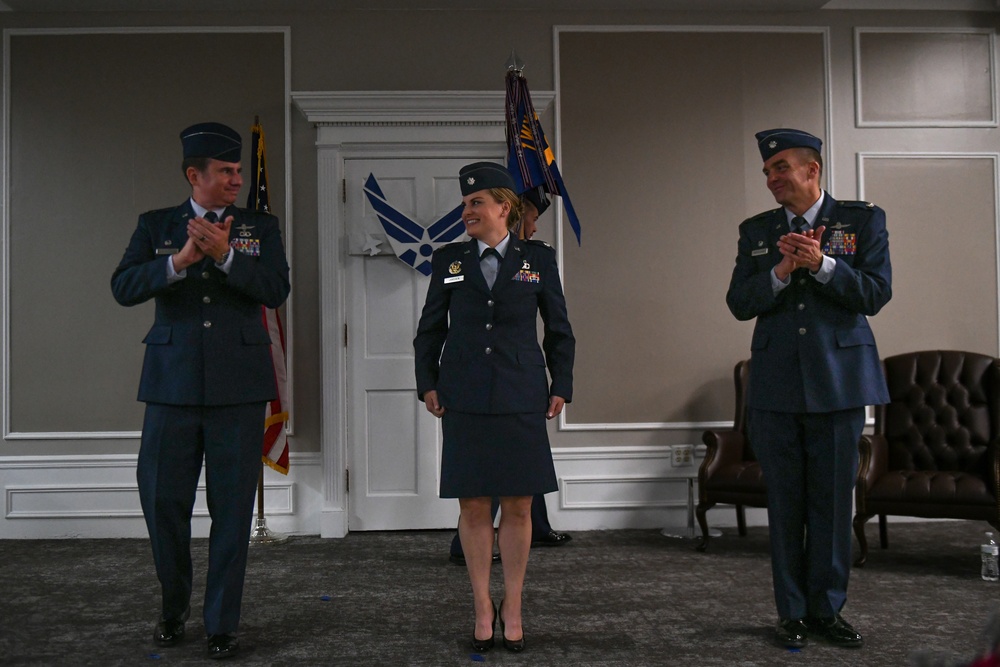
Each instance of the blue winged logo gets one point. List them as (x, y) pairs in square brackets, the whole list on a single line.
[(413, 243)]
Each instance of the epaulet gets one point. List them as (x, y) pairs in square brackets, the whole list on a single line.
[(449, 245), (856, 204), (539, 243), (161, 211), (764, 214)]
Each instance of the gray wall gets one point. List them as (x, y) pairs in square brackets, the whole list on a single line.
[(656, 139)]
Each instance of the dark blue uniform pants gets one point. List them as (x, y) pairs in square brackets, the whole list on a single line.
[(809, 462), (174, 441)]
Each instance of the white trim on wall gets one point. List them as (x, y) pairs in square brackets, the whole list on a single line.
[(993, 157), (97, 496), (5, 220), (858, 105), (563, 422)]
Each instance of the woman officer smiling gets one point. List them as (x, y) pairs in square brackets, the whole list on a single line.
[(489, 385)]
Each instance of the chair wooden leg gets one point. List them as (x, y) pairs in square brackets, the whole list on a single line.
[(703, 523), (859, 532), (883, 532), (741, 521)]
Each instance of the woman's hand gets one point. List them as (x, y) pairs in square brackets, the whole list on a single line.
[(556, 404), (431, 401)]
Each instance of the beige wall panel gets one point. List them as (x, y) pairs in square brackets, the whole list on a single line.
[(94, 141), (925, 78), (942, 221), (660, 160)]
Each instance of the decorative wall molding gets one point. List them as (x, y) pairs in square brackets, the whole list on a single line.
[(858, 101), (564, 423), (97, 497), (5, 230)]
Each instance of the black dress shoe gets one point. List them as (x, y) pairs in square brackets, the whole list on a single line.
[(170, 631), (483, 645), (515, 645), (459, 559), (551, 539), (791, 633), (222, 646), (836, 630)]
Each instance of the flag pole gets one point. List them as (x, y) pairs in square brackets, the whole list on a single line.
[(261, 534), (258, 200)]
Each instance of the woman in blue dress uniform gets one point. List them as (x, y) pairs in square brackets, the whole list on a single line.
[(479, 367)]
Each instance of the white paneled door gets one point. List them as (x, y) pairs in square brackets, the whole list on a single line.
[(394, 444)]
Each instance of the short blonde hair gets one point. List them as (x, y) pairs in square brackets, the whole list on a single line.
[(501, 195)]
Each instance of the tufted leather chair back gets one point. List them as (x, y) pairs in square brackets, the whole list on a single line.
[(943, 413), (935, 451)]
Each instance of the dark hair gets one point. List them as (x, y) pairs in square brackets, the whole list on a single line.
[(199, 163), (812, 155)]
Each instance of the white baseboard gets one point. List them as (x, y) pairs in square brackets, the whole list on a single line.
[(96, 496)]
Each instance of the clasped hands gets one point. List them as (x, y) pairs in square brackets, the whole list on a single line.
[(800, 250), (434, 406), (205, 239)]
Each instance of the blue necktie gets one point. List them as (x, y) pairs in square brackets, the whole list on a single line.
[(799, 225), (490, 263)]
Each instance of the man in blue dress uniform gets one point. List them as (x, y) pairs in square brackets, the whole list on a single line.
[(810, 272), (206, 377)]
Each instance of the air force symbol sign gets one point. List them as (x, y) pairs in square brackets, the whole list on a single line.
[(411, 242)]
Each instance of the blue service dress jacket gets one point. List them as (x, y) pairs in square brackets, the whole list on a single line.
[(491, 362), (208, 344), (812, 348)]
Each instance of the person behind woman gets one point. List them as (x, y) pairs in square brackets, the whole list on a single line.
[(489, 385)]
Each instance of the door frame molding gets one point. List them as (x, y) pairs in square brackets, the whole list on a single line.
[(368, 125)]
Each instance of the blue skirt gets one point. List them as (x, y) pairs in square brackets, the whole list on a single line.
[(495, 455)]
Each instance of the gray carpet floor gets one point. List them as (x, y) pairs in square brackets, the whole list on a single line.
[(609, 598)]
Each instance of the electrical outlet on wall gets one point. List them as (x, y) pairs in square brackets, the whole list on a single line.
[(682, 456)]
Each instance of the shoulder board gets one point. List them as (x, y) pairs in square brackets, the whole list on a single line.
[(161, 211), (856, 204), (536, 242), (765, 214), (446, 246)]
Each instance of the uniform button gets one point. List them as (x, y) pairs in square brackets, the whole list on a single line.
[(489, 350), (207, 324), (490, 303), (802, 306), (802, 331), (205, 274), (206, 299), (489, 326)]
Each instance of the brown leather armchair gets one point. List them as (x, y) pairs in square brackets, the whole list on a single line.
[(730, 473), (935, 452)]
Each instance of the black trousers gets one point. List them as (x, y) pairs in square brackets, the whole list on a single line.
[(175, 440)]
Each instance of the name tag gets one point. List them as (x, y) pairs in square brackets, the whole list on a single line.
[(758, 252), (454, 279), (167, 251)]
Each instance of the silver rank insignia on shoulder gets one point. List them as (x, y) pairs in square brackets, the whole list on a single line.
[(455, 268), (525, 266)]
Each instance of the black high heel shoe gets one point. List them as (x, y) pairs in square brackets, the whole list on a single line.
[(483, 645), (515, 645)]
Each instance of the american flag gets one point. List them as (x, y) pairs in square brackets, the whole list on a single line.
[(275, 440)]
